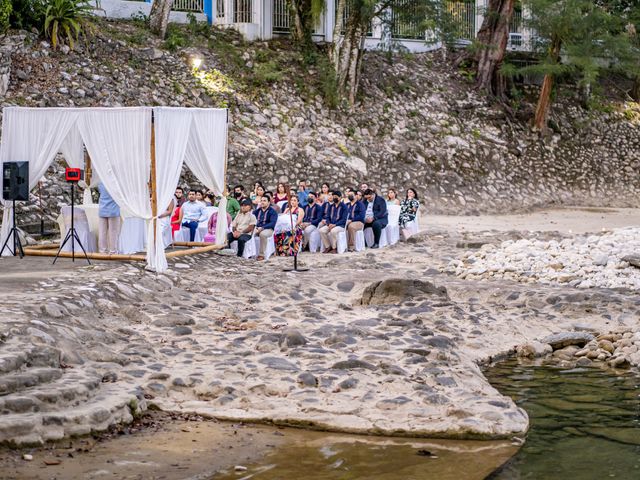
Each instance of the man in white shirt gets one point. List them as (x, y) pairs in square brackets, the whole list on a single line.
[(192, 213), (242, 226)]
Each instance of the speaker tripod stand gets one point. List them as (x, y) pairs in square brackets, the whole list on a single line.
[(72, 234), (13, 233)]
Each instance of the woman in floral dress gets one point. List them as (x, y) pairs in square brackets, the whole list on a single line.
[(288, 243), (408, 211)]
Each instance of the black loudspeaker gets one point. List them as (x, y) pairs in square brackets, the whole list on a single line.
[(15, 181)]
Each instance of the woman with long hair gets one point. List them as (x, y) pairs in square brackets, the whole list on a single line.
[(257, 196), (392, 197), (289, 242), (281, 194), (325, 193), (408, 211)]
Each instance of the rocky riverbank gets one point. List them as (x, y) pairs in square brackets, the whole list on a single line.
[(417, 123), (376, 343)]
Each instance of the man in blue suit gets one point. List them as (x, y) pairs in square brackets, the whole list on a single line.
[(334, 222), (375, 216), (267, 218)]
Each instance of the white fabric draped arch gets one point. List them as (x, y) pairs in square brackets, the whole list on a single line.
[(118, 141)]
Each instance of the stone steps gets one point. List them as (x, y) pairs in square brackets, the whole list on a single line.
[(71, 389), (15, 382), (15, 359), (113, 405)]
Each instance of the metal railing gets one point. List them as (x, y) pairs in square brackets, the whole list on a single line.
[(188, 6), (407, 25), (243, 12), (463, 15), (220, 8), (281, 16)]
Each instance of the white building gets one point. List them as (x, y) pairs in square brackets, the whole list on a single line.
[(266, 19)]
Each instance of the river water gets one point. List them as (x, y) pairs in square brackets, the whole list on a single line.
[(585, 422)]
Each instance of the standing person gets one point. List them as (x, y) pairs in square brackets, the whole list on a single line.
[(303, 193), (355, 220), (376, 216), (191, 213), (312, 216), (392, 197), (333, 223), (288, 243), (408, 211), (242, 226), (109, 222), (267, 218), (179, 194)]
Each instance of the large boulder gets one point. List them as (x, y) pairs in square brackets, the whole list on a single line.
[(398, 290), (564, 339)]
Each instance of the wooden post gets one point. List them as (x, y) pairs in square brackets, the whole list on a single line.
[(87, 169), (152, 180)]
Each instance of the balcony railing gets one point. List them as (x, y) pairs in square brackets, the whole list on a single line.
[(188, 5)]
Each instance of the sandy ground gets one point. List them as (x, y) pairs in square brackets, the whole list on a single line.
[(563, 220)]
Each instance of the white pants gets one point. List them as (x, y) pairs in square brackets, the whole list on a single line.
[(330, 237), (108, 234), (307, 234), (265, 235)]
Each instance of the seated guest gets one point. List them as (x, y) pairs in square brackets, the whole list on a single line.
[(347, 191), (257, 196), (376, 216), (312, 217), (355, 220), (192, 213), (392, 197), (408, 211), (238, 192), (359, 196), (289, 242), (364, 187), (267, 218), (242, 226), (272, 202), (175, 221), (209, 200), (168, 211), (210, 237), (179, 194), (233, 204), (303, 193), (281, 194), (199, 196), (325, 193), (109, 222), (333, 223)]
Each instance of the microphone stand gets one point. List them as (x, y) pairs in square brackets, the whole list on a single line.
[(293, 237)]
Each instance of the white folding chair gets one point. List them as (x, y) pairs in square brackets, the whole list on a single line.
[(392, 230), (271, 246), (414, 225), (369, 238), (165, 225), (203, 226), (315, 241), (249, 248), (342, 242), (81, 224), (360, 244)]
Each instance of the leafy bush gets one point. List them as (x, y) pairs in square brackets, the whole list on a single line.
[(27, 14), (175, 38), (266, 73), (5, 12), (65, 20)]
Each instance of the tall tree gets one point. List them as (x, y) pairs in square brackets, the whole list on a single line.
[(577, 37), (159, 16), (491, 45)]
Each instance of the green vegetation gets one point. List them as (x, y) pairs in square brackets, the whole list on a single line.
[(27, 14), (5, 13), (66, 20)]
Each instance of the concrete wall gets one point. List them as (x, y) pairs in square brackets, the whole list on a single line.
[(127, 9)]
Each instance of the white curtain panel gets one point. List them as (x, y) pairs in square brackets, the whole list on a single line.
[(119, 143), (172, 127), (73, 151), (206, 156), (33, 135)]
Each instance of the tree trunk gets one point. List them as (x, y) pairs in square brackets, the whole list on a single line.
[(544, 100), (492, 39), (159, 16), (635, 90), (346, 54), (302, 22)]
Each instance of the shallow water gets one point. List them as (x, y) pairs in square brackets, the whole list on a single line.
[(585, 422), (322, 456)]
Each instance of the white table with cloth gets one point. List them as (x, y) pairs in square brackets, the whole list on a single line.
[(133, 232)]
